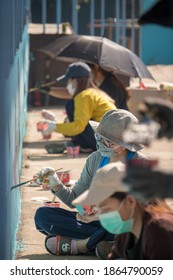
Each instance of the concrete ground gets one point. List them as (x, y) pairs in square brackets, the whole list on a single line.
[(30, 242)]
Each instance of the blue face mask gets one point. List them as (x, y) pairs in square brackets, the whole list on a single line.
[(106, 151), (114, 224)]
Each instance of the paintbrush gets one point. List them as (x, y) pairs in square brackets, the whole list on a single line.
[(33, 179), (41, 88)]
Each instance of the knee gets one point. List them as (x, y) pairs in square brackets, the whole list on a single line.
[(39, 215)]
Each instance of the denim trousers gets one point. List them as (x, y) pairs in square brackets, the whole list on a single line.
[(58, 221)]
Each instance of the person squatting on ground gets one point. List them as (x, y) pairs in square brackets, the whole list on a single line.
[(61, 226), (104, 80), (87, 103), (142, 231)]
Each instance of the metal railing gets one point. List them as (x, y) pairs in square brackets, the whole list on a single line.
[(121, 27)]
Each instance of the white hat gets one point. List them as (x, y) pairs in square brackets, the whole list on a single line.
[(105, 182)]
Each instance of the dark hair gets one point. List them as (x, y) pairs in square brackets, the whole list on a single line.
[(118, 84), (114, 80), (83, 83), (159, 206)]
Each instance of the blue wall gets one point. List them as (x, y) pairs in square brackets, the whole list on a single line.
[(157, 41), (14, 57)]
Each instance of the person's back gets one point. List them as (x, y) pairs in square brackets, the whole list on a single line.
[(110, 84), (93, 103), (116, 91)]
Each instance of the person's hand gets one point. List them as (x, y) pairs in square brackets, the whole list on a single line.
[(86, 218), (146, 184), (43, 88), (49, 126), (160, 111), (39, 176), (48, 115), (47, 176)]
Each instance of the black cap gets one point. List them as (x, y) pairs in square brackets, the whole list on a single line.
[(76, 70)]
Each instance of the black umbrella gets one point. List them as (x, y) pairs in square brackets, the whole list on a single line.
[(161, 13), (98, 50)]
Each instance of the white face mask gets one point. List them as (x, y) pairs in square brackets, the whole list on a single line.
[(71, 89)]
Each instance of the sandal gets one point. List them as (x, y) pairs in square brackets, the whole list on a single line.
[(103, 248), (60, 245)]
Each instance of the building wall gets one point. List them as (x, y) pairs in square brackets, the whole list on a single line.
[(14, 57), (156, 40)]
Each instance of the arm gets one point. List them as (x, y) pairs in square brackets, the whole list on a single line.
[(66, 194), (83, 112)]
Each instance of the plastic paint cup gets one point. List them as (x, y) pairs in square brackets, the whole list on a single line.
[(64, 176), (73, 151), (69, 151), (46, 136), (41, 126), (76, 150)]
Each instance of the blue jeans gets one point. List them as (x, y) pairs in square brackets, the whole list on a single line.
[(85, 139), (62, 222)]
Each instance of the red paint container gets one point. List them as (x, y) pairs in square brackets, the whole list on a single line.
[(41, 126), (55, 204), (64, 176)]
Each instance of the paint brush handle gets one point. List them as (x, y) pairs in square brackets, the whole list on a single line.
[(53, 199), (42, 86), (23, 183)]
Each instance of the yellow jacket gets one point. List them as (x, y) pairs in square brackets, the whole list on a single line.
[(88, 105)]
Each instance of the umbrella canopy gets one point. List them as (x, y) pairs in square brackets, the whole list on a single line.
[(98, 50), (161, 13)]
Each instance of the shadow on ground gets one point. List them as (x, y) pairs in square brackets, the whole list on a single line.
[(51, 257)]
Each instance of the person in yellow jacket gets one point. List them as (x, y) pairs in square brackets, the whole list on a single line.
[(87, 103)]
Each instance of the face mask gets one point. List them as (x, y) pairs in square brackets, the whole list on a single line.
[(71, 89), (106, 151), (114, 224)]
